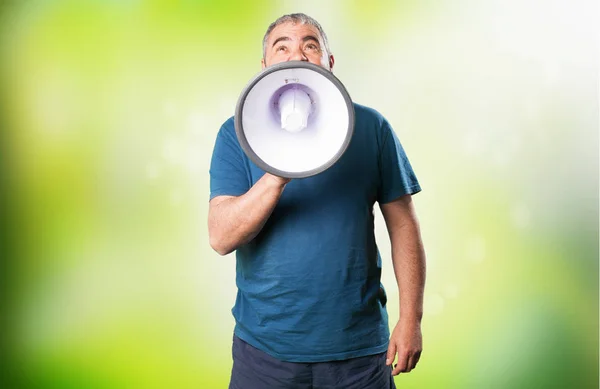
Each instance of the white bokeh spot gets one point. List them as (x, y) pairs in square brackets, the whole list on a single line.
[(433, 305)]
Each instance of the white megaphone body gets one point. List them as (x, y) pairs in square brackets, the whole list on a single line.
[(294, 119)]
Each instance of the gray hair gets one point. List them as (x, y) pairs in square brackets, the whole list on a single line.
[(297, 18)]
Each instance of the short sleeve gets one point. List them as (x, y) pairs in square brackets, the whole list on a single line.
[(397, 177), (228, 168)]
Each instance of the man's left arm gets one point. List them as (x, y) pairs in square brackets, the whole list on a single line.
[(408, 257)]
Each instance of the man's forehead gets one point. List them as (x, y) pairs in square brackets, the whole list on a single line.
[(290, 29)]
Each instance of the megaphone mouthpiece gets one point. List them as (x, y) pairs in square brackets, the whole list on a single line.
[(294, 106)]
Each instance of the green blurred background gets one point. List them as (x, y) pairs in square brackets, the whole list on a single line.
[(110, 111)]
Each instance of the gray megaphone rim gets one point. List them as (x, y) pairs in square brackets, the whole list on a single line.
[(239, 129)]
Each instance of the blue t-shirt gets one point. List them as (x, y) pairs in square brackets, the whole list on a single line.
[(309, 284)]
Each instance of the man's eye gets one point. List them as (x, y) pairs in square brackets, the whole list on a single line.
[(312, 47), (281, 48)]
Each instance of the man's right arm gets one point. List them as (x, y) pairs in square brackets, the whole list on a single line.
[(236, 220)]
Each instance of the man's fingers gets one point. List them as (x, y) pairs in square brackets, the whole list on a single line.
[(414, 360), (391, 353), (411, 363), (400, 367)]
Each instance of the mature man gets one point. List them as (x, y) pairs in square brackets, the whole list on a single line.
[(310, 309)]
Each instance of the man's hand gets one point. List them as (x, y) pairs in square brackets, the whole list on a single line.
[(407, 342), (277, 180)]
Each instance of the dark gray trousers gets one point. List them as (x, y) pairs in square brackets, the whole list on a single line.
[(255, 369)]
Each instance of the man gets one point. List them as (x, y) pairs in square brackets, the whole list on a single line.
[(310, 309)]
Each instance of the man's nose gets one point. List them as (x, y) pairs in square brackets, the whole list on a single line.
[(298, 55)]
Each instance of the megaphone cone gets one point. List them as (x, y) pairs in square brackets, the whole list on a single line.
[(294, 119)]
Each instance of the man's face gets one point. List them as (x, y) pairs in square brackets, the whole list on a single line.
[(296, 42)]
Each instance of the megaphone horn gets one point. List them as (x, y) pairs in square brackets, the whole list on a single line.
[(294, 119)]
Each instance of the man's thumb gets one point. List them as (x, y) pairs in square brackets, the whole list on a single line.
[(391, 353)]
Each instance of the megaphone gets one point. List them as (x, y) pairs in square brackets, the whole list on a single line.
[(294, 119)]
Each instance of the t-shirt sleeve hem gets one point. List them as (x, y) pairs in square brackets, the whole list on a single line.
[(395, 194), (218, 193)]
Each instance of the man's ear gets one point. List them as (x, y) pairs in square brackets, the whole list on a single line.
[(262, 63), (331, 61)]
